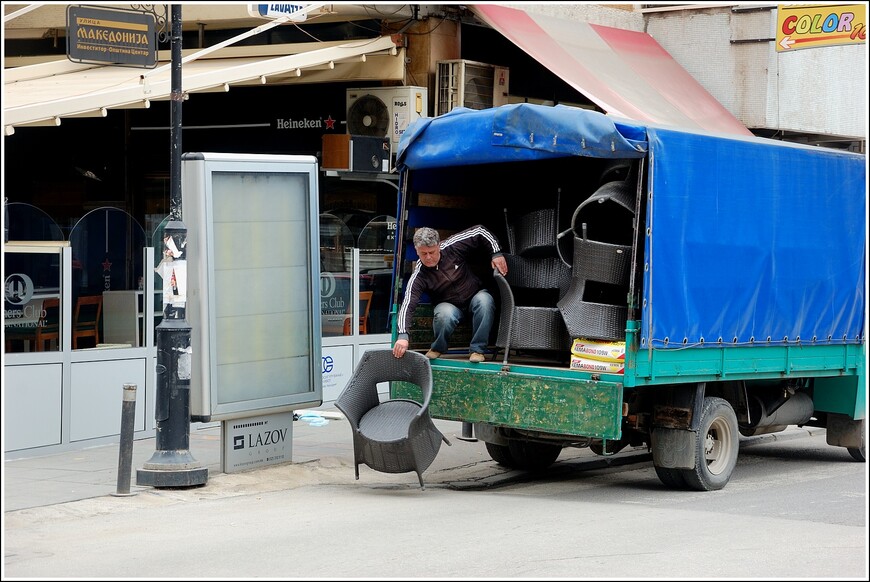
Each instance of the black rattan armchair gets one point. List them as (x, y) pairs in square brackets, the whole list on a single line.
[(529, 317), (396, 435)]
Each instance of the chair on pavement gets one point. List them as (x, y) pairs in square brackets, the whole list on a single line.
[(396, 435)]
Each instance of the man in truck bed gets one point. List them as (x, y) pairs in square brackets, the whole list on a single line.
[(444, 273)]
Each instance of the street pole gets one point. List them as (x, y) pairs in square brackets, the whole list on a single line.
[(172, 464)]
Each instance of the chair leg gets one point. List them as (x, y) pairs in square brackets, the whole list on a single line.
[(420, 477)]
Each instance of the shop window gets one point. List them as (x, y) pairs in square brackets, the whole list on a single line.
[(107, 277), (375, 242), (33, 298), (336, 243), (32, 303)]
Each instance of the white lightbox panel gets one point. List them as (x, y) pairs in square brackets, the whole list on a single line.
[(254, 283)]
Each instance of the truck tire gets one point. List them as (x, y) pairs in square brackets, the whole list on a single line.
[(715, 448), (671, 478), (858, 453), (532, 456), (501, 454)]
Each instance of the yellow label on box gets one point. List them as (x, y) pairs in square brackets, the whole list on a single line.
[(590, 365), (598, 350)]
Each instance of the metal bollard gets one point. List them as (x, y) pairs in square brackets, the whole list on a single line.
[(467, 432), (125, 451)]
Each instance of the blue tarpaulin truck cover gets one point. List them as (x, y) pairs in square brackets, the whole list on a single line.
[(747, 241)]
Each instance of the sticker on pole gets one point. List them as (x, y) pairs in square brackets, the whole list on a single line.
[(294, 12)]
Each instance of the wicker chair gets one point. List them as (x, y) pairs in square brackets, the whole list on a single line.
[(600, 267), (529, 319), (397, 435), (534, 233)]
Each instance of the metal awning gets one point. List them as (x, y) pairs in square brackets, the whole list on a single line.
[(626, 73), (45, 93)]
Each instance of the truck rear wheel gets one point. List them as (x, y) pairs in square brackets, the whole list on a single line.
[(533, 456), (858, 453), (501, 454), (715, 448), (672, 478), (524, 455)]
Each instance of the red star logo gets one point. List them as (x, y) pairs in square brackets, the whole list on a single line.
[(107, 265), (330, 122)]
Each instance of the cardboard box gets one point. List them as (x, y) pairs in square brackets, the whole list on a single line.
[(590, 365), (598, 350), (336, 151)]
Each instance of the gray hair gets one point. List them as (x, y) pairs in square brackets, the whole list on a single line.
[(426, 237)]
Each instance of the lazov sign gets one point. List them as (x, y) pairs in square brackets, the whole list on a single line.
[(111, 35), (799, 27)]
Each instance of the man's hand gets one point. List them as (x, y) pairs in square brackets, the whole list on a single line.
[(500, 265), (400, 348)]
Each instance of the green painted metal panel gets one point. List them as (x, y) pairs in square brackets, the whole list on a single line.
[(709, 364), (548, 401), (841, 395)]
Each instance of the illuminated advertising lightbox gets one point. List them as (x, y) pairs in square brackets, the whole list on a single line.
[(253, 289)]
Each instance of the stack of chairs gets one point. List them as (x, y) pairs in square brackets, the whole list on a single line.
[(536, 280), (596, 303)]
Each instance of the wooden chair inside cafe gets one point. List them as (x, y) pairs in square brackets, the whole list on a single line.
[(48, 328), (365, 305), (86, 319)]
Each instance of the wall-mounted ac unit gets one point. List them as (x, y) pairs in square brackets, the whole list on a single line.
[(385, 111), (462, 83)]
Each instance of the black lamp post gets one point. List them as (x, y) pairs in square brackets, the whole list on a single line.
[(172, 465)]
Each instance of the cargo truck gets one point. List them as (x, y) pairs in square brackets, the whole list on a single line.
[(667, 289)]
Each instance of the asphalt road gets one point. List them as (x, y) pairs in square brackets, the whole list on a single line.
[(794, 508)]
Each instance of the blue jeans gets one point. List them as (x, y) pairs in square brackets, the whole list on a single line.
[(447, 316)]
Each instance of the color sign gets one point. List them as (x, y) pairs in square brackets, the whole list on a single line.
[(111, 35), (810, 26)]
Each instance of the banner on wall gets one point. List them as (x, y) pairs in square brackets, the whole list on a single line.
[(818, 25)]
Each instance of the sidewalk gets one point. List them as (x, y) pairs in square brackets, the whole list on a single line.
[(93, 472)]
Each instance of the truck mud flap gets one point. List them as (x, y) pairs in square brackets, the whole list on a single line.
[(674, 448), (550, 404)]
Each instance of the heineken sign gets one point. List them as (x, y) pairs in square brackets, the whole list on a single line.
[(111, 35)]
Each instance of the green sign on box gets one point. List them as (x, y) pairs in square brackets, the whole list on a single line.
[(111, 35)]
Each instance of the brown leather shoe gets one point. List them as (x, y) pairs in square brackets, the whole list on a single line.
[(433, 355), (476, 358)]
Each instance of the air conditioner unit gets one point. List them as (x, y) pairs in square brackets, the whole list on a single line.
[(385, 112), (462, 83)]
